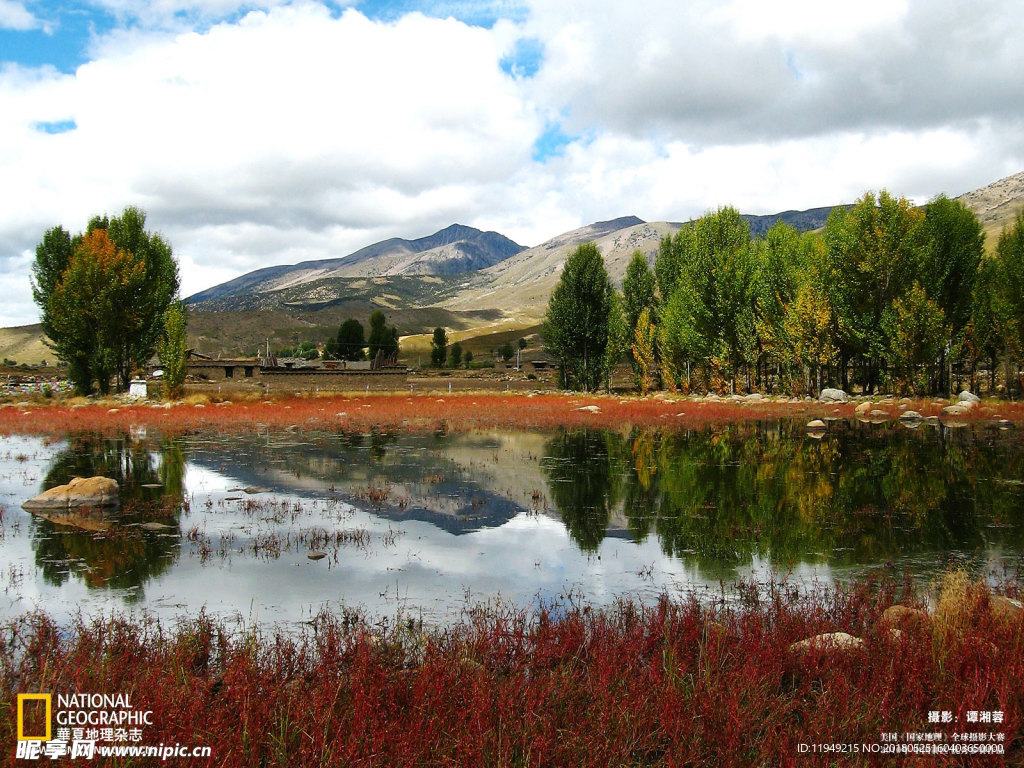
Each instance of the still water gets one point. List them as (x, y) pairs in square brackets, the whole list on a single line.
[(429, 525)]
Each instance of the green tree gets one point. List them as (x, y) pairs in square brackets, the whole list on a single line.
[(638, 290), (618, 338), (439, 347), (350, 340), (383, 340), (172, 350), (784, 263), (985, 335), (638, 294), (468, 357), (1010, 261), (506, 351), (575, 329), (455, 355), (53, 255), (916, 328), (131, 323), (707, 316), (874, 251), (952, 261)]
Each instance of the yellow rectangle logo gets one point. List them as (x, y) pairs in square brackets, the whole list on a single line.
[(22, 698)]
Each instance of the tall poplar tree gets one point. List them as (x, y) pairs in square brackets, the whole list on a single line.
[(576, 324)]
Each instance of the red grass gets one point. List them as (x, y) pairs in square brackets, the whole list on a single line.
[(457, 412), (672, 684)]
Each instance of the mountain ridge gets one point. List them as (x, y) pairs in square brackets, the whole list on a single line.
[(456, 248)]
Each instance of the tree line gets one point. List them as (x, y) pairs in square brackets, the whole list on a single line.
[(887, 297), (351, 343)]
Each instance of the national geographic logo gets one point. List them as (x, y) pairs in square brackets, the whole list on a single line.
[(44, 699)]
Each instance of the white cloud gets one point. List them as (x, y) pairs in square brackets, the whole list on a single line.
[(14, 15), (294, 133), (734, 72), (289, 128)]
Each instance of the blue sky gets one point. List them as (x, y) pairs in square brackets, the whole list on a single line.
[(269, 132)]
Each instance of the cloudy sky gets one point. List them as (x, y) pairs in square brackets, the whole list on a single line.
[(260, 133)]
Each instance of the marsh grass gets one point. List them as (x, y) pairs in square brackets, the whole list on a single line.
[(430, 413), (680, 682)]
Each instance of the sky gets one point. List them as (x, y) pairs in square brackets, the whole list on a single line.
[(270, 132)]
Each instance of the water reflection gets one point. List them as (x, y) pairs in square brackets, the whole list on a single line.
[(520, 513), (122, 548), (862, 494)]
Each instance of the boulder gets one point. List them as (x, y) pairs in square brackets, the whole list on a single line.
[(830, 641), (829, 395), (901, 617), (864, 408), (80, 492), (816, 425), (954, 410), (910, 416), (316, 555), (968, 397)]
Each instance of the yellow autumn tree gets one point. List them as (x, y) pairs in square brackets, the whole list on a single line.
[(809, 329), (93, 308), (644, 335)]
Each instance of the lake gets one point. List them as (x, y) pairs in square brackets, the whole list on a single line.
[(431, 525)]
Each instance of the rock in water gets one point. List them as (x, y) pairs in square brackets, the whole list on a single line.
[(968, 397), (80, 492)]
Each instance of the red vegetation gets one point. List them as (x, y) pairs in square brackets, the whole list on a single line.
[(678, 683), (457, 412)]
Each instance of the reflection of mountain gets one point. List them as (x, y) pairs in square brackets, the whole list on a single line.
[(108, 549), (459, 483), (866, 493)]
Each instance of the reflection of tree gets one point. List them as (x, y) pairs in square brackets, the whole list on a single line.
[(119, 559), (124, 555), (129, 461), (582, 470), (864, 493)]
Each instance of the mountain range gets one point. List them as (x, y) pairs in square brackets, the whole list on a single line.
[(479, 285), (452, 250), (460, 277)]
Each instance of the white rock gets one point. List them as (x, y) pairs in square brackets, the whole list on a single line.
[(830, 395)]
